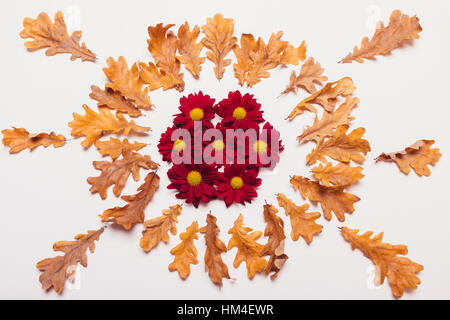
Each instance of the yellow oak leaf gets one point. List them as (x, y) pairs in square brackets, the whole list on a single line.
[(310, 75), (115, 147), (185, 253), (338, 175), (189, 49), (19, 139)]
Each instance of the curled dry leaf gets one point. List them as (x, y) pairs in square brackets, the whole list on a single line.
[(114, 100), (303, 223), (214, 265), (341, 147), (248, 249), (127, 82), (220, 41), (275, 244), (56, 270), (134, 211), (310, 75), (54, 37), (332, 199), (401, 29), (417, 156), (330, 121), (115, 147), (189, 49), (185, 253), (338, 175), (157, 229), (117, 172), (19, 139), (94, 125), (400, 271)]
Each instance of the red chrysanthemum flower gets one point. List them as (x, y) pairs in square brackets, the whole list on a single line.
[(166, 144), (219, 151), (194, 182), (196, 107), (240, 111), (237, 184)]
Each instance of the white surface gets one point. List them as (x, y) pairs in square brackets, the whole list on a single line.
[(404, 97)]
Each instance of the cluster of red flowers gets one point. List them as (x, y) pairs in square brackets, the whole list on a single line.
[(233, 179)]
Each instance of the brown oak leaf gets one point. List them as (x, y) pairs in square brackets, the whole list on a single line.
[(114, 100), (117, 172), (402, 29), (338, 175), (214, 265), (115, 147), (417, 156), (400, 271), (185, 253), (332, 199), (303, 223), (310, 75), (56, 270), (94, 125), (156, 79), (248, 249), (157, 229), (54, 37), (189, 49), (274, 247), (220, 41), (19, 139)]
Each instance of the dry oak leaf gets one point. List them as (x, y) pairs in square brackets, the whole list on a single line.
[(402, 29), (185, 253), (310, 75), (214, 264), (248, 249), (303, 223), (189, 49), (134, 211), (157, 229), (19, 139), (400, 271), (330, 121), (242, 53), (127, 82), (56, 270), (156, 79), (275, 244), (54, 37), (341, 147), (332, 199), (115, 147), (117, 172), (94, 125), (220, 41), (114, 100), (338, 175), (327, 97), (417, 156)]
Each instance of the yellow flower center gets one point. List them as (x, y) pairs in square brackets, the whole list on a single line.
[(179, 145), (194, 178), (260, 147), (239, 113), (236, 183), (196, 114), (218, 145)]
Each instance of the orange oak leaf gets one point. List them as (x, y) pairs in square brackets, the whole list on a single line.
[(338, 175), (157, 229), (303, 223), (94, 125), (220, 41), (400, 271), (248, 249), (189, 49), (54, 37), (310, 75), (134, 211), (341, 147), (185, 253), (402, 29), (127, 82), (214, 265), (417, 156), (115, 147), (242, 53), (332, 199), (19, 139), (330, 121), (117, 172), (111, 99), (56, 270), (158, 79), (275, 244)]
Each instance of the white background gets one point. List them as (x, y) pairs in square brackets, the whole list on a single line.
[(45, 196)]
